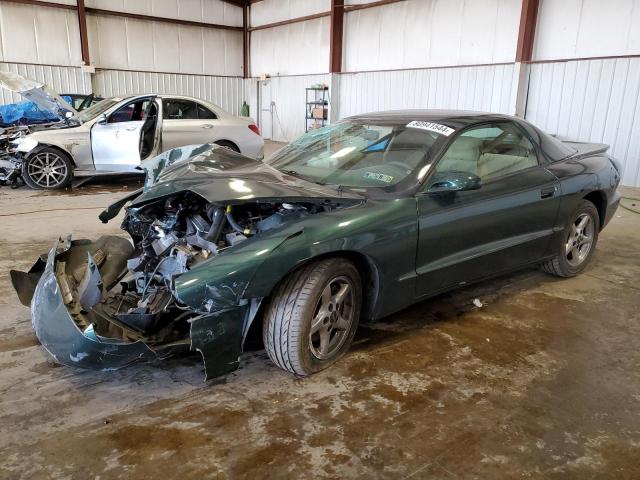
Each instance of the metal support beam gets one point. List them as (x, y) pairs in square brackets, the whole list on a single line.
[(526, 35), (84, 37), (335, 36), (246, 40), (39, 3), (176, 21), (524, 52), (289, 22), (362, 6), (114, 13)]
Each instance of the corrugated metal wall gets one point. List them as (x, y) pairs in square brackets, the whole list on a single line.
[(592, 101), (30, 34), (226, 92), (488, 88), (131, 44), (299, 48), (425, 33), (288, 97), (587, 28), (61, 79)]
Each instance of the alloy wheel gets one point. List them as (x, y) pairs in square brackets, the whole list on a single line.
[(47, 170), (580, 240), (333, 318)]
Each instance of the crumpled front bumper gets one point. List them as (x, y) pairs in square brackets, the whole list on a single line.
[(216, 336), (64, 340)]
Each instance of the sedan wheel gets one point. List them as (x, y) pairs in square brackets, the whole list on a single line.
[(578, 243), (313, 315), (47, 169)]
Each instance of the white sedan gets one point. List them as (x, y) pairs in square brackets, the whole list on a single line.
[(117, 134)]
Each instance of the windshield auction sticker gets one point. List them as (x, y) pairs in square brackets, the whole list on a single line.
[(432, 127)]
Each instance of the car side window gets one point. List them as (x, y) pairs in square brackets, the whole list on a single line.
[(178, 109), (205, 114), (489, 151), (132, 112)]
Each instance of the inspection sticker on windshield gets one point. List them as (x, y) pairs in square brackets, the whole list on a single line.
[(432, 127), (381, 177)]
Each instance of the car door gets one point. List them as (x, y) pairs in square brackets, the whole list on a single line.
[(506, 223), (186, 122), (120, 140)]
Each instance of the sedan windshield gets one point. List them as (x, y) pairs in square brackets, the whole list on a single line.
[(360, 156), (97, 109)]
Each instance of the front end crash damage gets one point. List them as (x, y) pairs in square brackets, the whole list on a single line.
[(183, 279), (77, 316)]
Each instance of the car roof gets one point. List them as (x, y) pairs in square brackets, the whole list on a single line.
[(460, 117)]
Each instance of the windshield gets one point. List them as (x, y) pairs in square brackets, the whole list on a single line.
[(94, 110), (360, 156)]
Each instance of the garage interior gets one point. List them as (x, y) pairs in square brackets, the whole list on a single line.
[(522, 376)]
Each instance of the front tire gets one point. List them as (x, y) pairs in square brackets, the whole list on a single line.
[(48, 169), (579, 242), (313, 316)]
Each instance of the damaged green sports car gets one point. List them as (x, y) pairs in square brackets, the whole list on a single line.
[(350, 222)]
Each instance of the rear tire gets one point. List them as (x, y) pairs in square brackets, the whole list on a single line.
[(578, 244), (47, 169), (229, 145), (313, 316)]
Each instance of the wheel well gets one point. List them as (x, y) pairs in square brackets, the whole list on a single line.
[(42, 146), (370, 288), (227, 143), (599, 200)]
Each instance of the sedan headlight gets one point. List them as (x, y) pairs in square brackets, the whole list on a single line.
[(24, 144)]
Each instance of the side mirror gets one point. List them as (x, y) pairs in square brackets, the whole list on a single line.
[(102, 119), (454, 182)]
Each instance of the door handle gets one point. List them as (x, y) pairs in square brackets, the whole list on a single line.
[(131, 128), (548, 192), (207, 125)]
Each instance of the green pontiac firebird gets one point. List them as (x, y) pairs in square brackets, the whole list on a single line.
[(350, 222)]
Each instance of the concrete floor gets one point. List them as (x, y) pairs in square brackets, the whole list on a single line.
[(543, 381)]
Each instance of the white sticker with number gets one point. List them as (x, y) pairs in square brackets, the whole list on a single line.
[(432, 127)]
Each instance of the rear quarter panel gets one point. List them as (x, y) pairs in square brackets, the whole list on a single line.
[(578, 178)]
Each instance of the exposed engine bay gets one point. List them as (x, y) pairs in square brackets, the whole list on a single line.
[(170, 236), (10, 164)]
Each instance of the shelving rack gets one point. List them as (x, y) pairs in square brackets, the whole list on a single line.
[(316, 108)]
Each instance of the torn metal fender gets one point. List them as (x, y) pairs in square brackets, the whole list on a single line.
[(64, 340), (218, 337)]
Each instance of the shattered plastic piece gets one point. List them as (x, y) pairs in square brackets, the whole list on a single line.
[(90, 288), (65, 342), (478, 303)]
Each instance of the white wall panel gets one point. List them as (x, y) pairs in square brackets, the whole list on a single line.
[(298, 48), (60, 79), (271, 11), (489, 88), (129, 44), (227, 92), (423, 33), (591, 101), (288, 95), (209, 11), (587, 28), (30, 34)]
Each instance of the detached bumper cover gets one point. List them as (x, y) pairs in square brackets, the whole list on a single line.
[(63, 339), (217, 336)]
